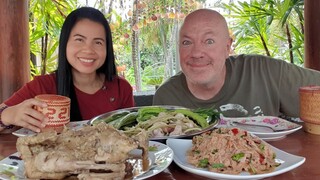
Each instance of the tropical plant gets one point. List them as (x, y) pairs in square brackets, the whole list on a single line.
[(145, 32), (154, 74), (156, 25), (45, 21), (270, 27)]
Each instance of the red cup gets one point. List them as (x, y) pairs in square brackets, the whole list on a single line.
[(58, 111)]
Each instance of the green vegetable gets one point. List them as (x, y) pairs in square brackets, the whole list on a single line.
[(125, 120), (200, 120), (203, 163), (237, 157), (153, 148), (274, 155), (262, 147), (197, 151), (146, 113), (111, 118), (217, 165), (208, 112)]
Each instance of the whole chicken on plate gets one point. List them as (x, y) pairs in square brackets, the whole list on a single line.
[(94, 152)]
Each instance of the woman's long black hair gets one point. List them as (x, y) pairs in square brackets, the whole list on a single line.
[(64, 78)]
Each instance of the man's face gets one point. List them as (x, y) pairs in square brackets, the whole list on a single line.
[(204, 46)]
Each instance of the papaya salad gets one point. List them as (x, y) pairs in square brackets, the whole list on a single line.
[(231, 151), (159, 121)]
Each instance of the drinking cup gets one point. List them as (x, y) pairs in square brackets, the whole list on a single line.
[(58, 111), (309, 108)]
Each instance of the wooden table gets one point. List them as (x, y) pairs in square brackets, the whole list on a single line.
[(299, 143)]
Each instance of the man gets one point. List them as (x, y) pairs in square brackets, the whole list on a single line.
[(243, 85)]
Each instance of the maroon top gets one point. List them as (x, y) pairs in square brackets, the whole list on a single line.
[(112, 96)]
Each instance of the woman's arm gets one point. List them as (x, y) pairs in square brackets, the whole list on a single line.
[(22, 115)]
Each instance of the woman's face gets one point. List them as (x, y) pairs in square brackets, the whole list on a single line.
[(86, 46)]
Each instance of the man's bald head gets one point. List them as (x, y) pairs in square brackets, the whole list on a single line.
[(207, 16)]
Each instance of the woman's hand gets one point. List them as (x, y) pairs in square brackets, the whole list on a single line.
[(24, 115)]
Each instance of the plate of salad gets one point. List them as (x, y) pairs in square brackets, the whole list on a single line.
[(161, 122)]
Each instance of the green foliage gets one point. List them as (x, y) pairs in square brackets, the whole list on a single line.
[(121, 30), (153, 75), (258, 26), (269, 27), (298, 47), (45, 21), (129, 75), (34, 70)]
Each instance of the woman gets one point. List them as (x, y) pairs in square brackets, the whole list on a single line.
[(86, 73)]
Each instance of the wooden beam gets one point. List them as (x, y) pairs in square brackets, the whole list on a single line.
[(14, 46), (312, 37)]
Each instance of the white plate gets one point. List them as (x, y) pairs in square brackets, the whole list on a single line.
[(163, 158), (12, 168), (72, 125), (261, 126), (9, 167), (180, 147)]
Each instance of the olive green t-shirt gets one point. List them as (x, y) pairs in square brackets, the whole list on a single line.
[(254, 85)]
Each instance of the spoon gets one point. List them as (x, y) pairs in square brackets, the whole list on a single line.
[(268, 128)]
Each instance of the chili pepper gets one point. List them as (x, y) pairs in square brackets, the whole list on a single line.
[(111, 118), (235, 131), (146, 113), (200, 120), (210, 114), (125, 120), (261, 158)]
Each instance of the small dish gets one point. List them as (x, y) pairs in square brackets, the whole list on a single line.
[(75, 125), (181, 146), (265, 127)]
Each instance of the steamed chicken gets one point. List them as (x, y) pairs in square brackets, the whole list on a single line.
[(94, 152)]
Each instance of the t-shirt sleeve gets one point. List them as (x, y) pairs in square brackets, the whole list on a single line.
[(292, 78)]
